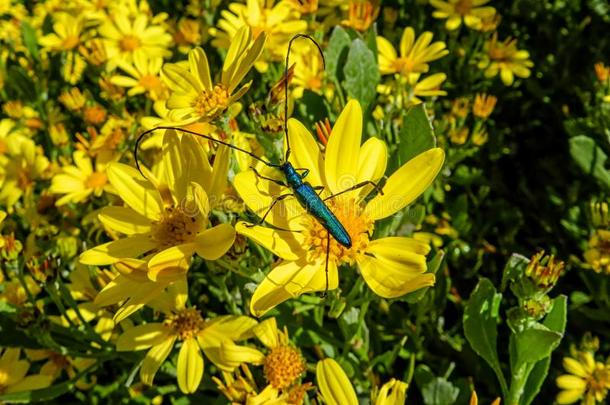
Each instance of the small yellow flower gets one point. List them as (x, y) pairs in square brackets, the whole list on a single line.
[(188, 33), (127, 35), (196, 334), (194, 97), (406, 93), (73, 99), (144, 77), (361, 14), (78, 182), (279, 21), (308, 69), (483, 105), (304, 252), (394, 392), (597, 254), (67, 36), (56, 363), (415, 54), (13, 373), (588, 380), (504, 58), (166, 217), (471, 12)]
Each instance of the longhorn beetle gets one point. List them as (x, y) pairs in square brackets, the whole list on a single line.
[(306, 194)]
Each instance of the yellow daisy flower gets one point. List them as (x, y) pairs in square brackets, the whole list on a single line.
[(597, 254), (308, 69), (144, 77), (278, 20), (194, 97), (504, 58), (21, 165), (361, 14), (283, 364), (403, 95), (196, 334), (126, 36), (67, 33), (588, 380), (79, 181), (483, 105), (166, 217), (415, 54), (304, 251), (56, 363), (472, 12), (13, 373)]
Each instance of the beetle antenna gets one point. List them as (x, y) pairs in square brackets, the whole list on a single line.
[(187, 131), (286, 87)]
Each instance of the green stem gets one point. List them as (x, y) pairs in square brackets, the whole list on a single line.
[(517, 385)]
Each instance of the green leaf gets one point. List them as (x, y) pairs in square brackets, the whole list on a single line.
[(361, 73), (416, 134), (534, 344), (480, 325), (336, 51), (554, 321), (514, 269), (591, 158), (19, 84), (440, 392), (30, 39)]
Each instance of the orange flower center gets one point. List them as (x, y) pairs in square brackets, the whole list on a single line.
[(70, 42), (283, 365), (404, 65), (212, 102), (96, 180), (186, 323), (152, 84), (351, 215), (3, 147), (175, 227), (129, 43)]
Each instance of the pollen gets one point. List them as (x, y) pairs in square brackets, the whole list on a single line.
[(129, 43), (186, 323), (283, 365), (350, 213), (96, 180), (175, 227), (211, 102)]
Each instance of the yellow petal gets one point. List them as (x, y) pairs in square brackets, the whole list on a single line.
[(198, 64), (289, 280), (267, 332), (142, 337), (343, 149), (285, 244), (154, 358), (233, 355), (390, 279), (170, 263), (221, 329), (176, 171), (112, 252), (398, 393), (569, 396), (135, 190), (218, 183), (139, 297), (124, 220), (406, 41), (190, 366), (406, 184), (305, 152), (29, 383), (573, 366), (133, 269), (334, 385), (372, 163), (212, 243)]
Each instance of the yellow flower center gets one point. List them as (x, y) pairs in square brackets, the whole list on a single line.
[(211, 102), (186, 323), (463, 7), (96, 180), (129, 43), (283, 365), (351, 215), (3, 147), (175, 227), (314, 83), (70, 42)]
